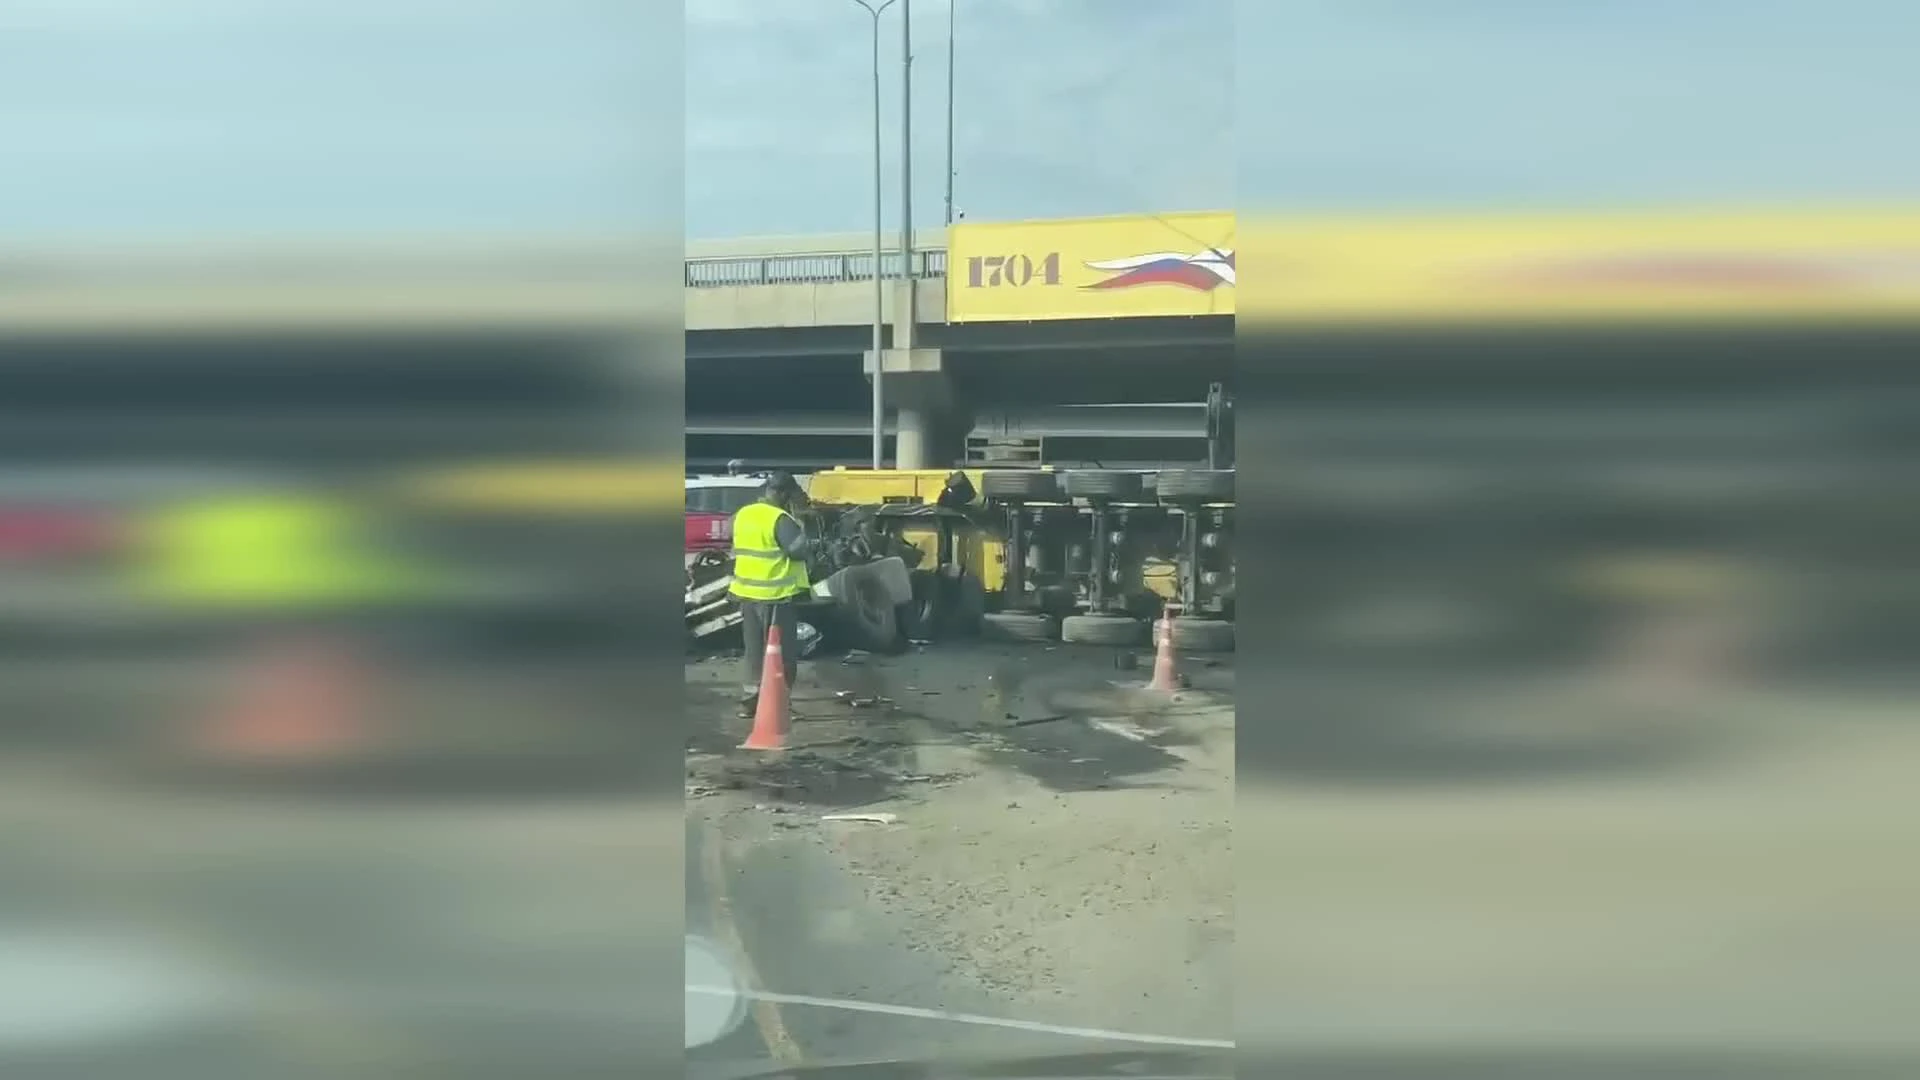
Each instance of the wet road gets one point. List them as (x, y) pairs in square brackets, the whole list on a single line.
[(807, 931), (476, 919), (763, 885)]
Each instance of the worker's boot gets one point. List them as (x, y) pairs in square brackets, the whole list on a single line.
[(749, 704)]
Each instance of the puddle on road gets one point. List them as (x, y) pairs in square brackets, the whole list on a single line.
[(1030, 710), (1072, 755), (838, 757)]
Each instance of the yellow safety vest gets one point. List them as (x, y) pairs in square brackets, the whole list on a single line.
[(761, 571)]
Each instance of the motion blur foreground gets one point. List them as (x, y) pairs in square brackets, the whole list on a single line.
[(322, 567), (1595, 664)]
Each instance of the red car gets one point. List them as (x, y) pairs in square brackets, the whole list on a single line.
[(711, 503)]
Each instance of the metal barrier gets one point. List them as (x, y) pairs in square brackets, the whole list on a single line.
[(817, 268)]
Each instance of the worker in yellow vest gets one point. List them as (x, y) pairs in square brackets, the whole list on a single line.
[(770, 553)]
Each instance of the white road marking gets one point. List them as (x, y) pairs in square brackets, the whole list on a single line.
[(915, 1013)]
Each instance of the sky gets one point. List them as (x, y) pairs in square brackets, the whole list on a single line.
[(1061, 107), (730, 118), (1067, 107), (1571, 103), (140, 118)]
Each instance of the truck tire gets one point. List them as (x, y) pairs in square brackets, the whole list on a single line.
[(969, 606), (1198, 635), (872, 623), (1026, 485), (1102, 630), (1101, 484), (923, 618), (1189, 485), (1018, 626)]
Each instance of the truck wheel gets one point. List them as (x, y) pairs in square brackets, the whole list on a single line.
[(1186, 485), (1101, 484), (872, 622), (923, 617), (1102, 630), (962, 618), (1198, 635), (1018, 626), (1025, 485)]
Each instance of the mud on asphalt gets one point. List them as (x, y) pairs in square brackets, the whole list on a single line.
[(869, 728)]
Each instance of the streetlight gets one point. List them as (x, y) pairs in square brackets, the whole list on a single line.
[(951, 4), (879, 286)]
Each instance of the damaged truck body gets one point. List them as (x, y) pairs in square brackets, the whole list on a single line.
[(1088, 556)]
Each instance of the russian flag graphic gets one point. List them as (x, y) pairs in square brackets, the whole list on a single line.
[(1203, 272)]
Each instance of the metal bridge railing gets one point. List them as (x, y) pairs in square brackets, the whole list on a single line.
[(823, 268)]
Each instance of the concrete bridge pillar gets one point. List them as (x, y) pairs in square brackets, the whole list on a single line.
[(918, 390), (914, 436)]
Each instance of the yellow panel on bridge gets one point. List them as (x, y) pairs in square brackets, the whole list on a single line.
[(1091, 268), (1708, 265)]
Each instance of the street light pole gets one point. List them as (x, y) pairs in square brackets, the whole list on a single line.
[(879, 281), (906, 150), (951, 4)]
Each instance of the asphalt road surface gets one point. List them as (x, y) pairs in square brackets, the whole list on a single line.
[(1038, 811)]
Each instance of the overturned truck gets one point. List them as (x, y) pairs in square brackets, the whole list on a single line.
[(1082, 556)]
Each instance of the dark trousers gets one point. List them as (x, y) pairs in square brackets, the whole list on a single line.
[(755, 617)]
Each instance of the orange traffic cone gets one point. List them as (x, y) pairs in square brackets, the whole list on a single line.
[(1163, 676), (304, 702), (772, 715)]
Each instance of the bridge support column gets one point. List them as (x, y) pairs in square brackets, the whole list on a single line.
[(913, 436), (920, 394)]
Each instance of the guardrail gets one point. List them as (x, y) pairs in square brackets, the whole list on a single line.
[(816, 268)]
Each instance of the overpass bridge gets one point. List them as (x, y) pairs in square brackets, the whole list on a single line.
[(777, 334), (806, 283), (986, 336), (1009, 330)]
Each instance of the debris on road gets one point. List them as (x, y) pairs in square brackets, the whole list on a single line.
[(927, 778), (873, 819), (860, 701), (1133, 732), (809, 638)]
